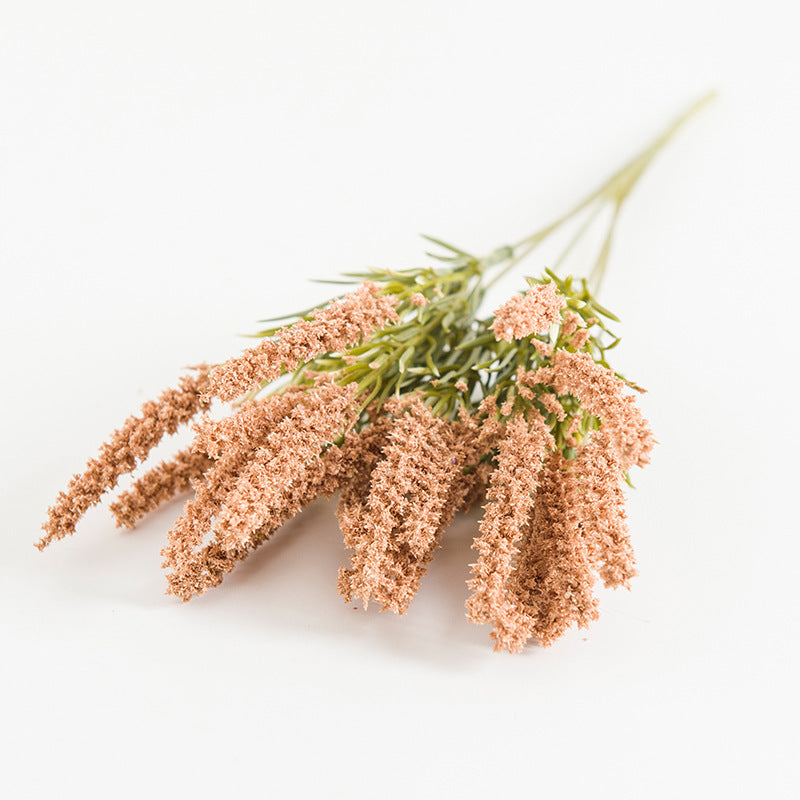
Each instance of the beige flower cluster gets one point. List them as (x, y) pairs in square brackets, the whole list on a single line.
[(552, 525), (524, 314), (126, 447)]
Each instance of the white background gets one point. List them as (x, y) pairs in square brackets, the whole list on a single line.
[(172, 171)]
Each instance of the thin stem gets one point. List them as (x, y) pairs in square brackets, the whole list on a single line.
[(587, 223), (615, 190), (599, 268)]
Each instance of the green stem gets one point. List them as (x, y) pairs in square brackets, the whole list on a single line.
[(615, 190)]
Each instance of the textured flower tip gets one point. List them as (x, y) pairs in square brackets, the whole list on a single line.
[(394, 521), (418, 299), (160, 484), (532, 312), (126, 447), (340, 324)]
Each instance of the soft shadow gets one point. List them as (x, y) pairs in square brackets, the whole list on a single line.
[(290, 583)]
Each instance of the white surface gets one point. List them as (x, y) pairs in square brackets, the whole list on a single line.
[(171, 172)]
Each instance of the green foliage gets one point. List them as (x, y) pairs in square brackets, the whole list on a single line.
[(443, 349)]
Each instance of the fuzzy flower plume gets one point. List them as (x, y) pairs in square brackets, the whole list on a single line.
[(323, 476), (405, 501), (246, 428), (397, 522), (601, 393), (524, 314), (125, 449), (509, 503), (600, 501), (332, 328), (169, 479), (297, 440), (554, 577), (243, 433)]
